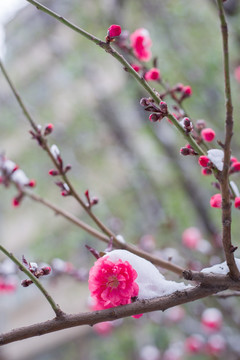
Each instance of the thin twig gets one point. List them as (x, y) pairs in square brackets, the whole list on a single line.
[(126, 246), (92, 318), (228, 295), (54, 306), (164, 264), (223, 177), (107, 47)]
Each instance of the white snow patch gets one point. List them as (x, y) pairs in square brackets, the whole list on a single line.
[(19, 177), (216, 157), (55, 151), (8, 166), (150, 281), (235, 188), (220, 268), (121, 239)]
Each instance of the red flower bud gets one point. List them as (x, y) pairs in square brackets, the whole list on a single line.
[(26, 283), (53, 172), (46, 270), (163, 107), (32, 183), (114, 30), (208, 134), (233, 159), (216, 201), (237, 202), (187, 91), (203, 161), (206, 171), (155, 117), (15, 202), (185, 151), (235, 167), (136, 67), (152, 75), (48, 129)]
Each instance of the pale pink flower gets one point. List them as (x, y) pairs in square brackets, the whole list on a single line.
[(7, 286), (191, 237), (237, 73), (112, 283), (194, 344), (141, 43), (212, 319), (104, 328)]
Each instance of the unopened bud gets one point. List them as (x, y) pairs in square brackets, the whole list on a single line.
[(26, 282), (155, 117), (188, 151), (188, 126), (163, 107), (179, 87), (48, 129), (32, 183), (185, 151), (187, 91), (46, 270), (94, 201), (53, 172), (67, 168), (206, 171), (15, 202), (146, 101), (200, 124), (114, 30)]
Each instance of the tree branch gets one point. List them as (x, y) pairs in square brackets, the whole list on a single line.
[(126, 246), (106, 46), (223, 177), (91, 318)]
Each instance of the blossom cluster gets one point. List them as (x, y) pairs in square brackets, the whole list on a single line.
[(215, 344)]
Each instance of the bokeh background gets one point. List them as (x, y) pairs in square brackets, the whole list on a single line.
[(147, 191)]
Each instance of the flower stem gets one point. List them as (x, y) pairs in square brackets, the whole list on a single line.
[(54, 306)]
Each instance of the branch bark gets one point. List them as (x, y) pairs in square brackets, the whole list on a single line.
[(223, 177), (92, 318)]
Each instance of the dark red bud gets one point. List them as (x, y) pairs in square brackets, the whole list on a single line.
[(46, 270), (53, 172), (26, 283), (48, 129)]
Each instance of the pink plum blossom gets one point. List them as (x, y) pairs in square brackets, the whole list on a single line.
[(112, 283), (216, 201), (191, 237), (208, 134), (212, 319), (152, 75), (141, 43)]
